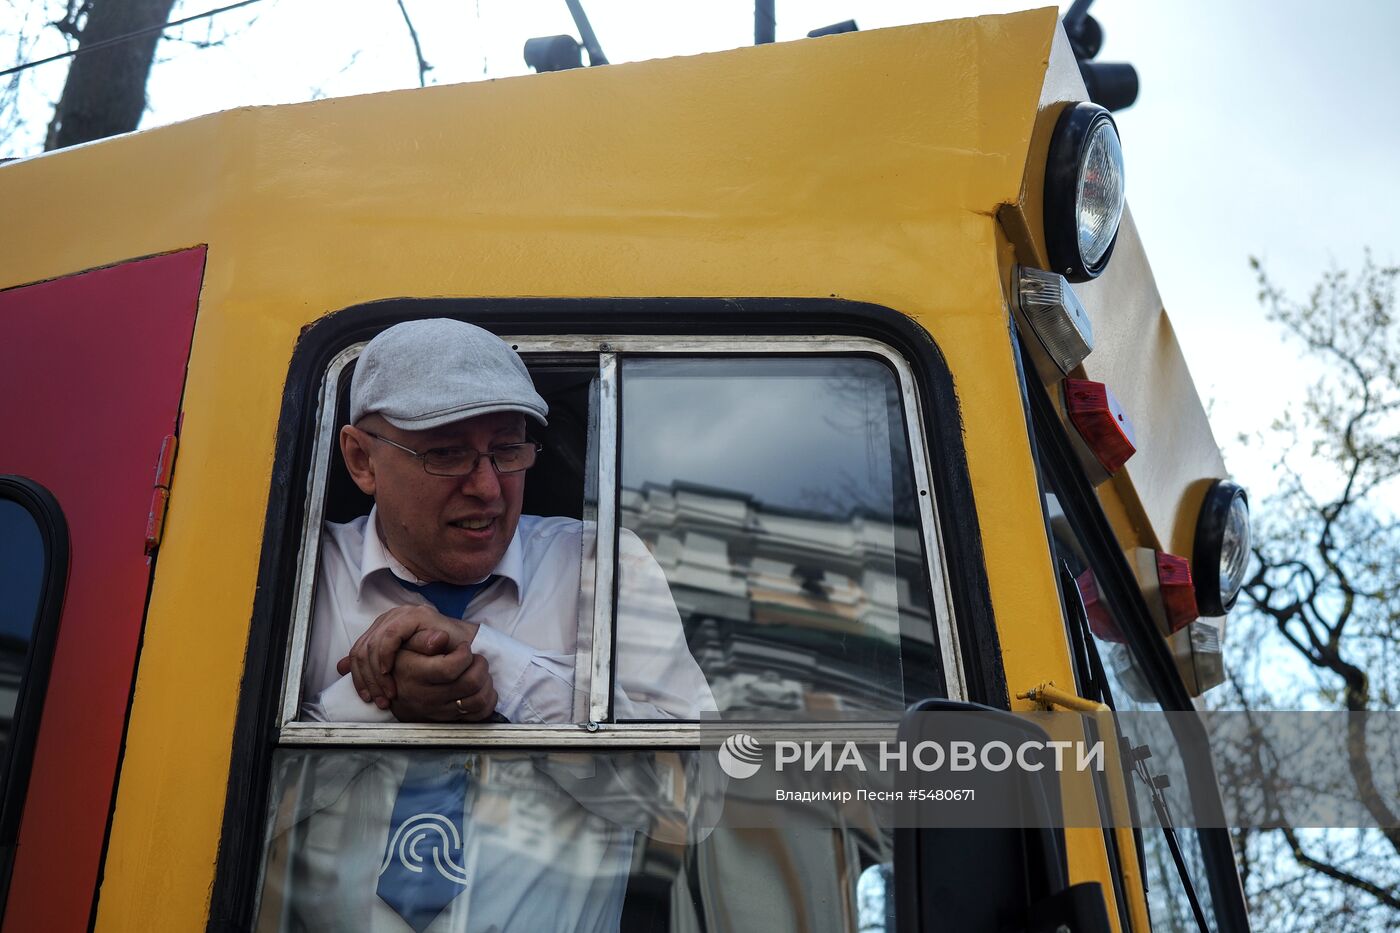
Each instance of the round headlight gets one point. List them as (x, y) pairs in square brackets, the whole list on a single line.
[(1083, 192), (1222, 548)]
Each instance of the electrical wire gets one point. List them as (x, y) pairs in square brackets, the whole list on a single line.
[(115, 40)]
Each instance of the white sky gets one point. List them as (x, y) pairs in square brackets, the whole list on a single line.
[(1263, 126)]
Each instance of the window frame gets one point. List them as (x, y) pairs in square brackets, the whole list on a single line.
[(599, 728), (48, 517), (256, 734)]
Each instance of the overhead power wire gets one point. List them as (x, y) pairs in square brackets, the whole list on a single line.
[(115, 40)]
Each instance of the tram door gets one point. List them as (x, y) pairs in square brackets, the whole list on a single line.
[(92, 367)]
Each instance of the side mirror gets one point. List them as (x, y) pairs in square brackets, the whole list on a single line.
[(987, 879)]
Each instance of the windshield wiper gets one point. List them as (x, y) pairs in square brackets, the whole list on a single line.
[(1155, 784)]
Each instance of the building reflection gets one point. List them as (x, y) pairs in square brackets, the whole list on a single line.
[(790, 610)]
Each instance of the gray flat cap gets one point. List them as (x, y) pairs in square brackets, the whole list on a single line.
[(423, 374)]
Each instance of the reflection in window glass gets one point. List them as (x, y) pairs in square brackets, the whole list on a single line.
[(778, 496), (1130, 690), (561, 841), (875, 899), (21, 587)]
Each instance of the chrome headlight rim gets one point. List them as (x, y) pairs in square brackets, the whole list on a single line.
[(1069, 147)]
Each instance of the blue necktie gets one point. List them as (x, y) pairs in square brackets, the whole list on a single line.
[(450, 599), (424, 865)]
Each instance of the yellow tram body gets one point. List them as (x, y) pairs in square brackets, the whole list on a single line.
[(902, 168)]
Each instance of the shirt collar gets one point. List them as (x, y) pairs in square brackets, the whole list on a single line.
[(375, 557)]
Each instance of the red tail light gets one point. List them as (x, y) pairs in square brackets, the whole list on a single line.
[(1099, 419), (1178, 590)]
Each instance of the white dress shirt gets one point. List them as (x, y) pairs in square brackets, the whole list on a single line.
[(529, 622)]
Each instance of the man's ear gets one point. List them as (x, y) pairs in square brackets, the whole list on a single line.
[(354, 447)]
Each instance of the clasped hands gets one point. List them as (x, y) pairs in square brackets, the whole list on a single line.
[(418, 664)]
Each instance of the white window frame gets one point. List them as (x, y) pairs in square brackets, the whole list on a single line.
[(597, 730)]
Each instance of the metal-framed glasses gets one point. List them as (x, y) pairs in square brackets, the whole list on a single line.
[(460, 461)]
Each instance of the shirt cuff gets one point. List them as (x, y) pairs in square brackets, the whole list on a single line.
[(340, 702), (508, 660)]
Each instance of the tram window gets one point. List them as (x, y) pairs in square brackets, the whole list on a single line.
[(21, 589), (778, 495), (830, 608), (580, 840), (555, 488), (33, 568), (769, 501)]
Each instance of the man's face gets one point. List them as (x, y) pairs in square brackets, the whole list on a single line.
[(449, 529)]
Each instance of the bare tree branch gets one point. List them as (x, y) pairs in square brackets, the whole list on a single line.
[(1326, 577), (1337, 874), (423, 66), (1258, 748)]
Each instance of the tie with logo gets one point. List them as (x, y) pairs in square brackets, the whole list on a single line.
[(424, 865)]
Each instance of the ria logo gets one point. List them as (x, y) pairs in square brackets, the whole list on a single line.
[(740, 755)]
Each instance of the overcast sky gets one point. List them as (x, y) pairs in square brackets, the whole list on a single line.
[(1264, 127)]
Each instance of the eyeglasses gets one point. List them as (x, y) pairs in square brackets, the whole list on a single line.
[(460, 461)]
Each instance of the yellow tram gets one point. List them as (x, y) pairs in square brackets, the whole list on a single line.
[(829, 325)]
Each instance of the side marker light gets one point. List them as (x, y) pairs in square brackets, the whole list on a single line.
[(1100, 420), (1178, 590)]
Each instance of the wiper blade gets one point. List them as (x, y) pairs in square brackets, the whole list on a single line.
[(1155, 784)]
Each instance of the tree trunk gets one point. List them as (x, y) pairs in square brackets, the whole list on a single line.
[(106, 89)]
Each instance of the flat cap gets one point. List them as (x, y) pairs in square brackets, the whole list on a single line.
[(423, 374)]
